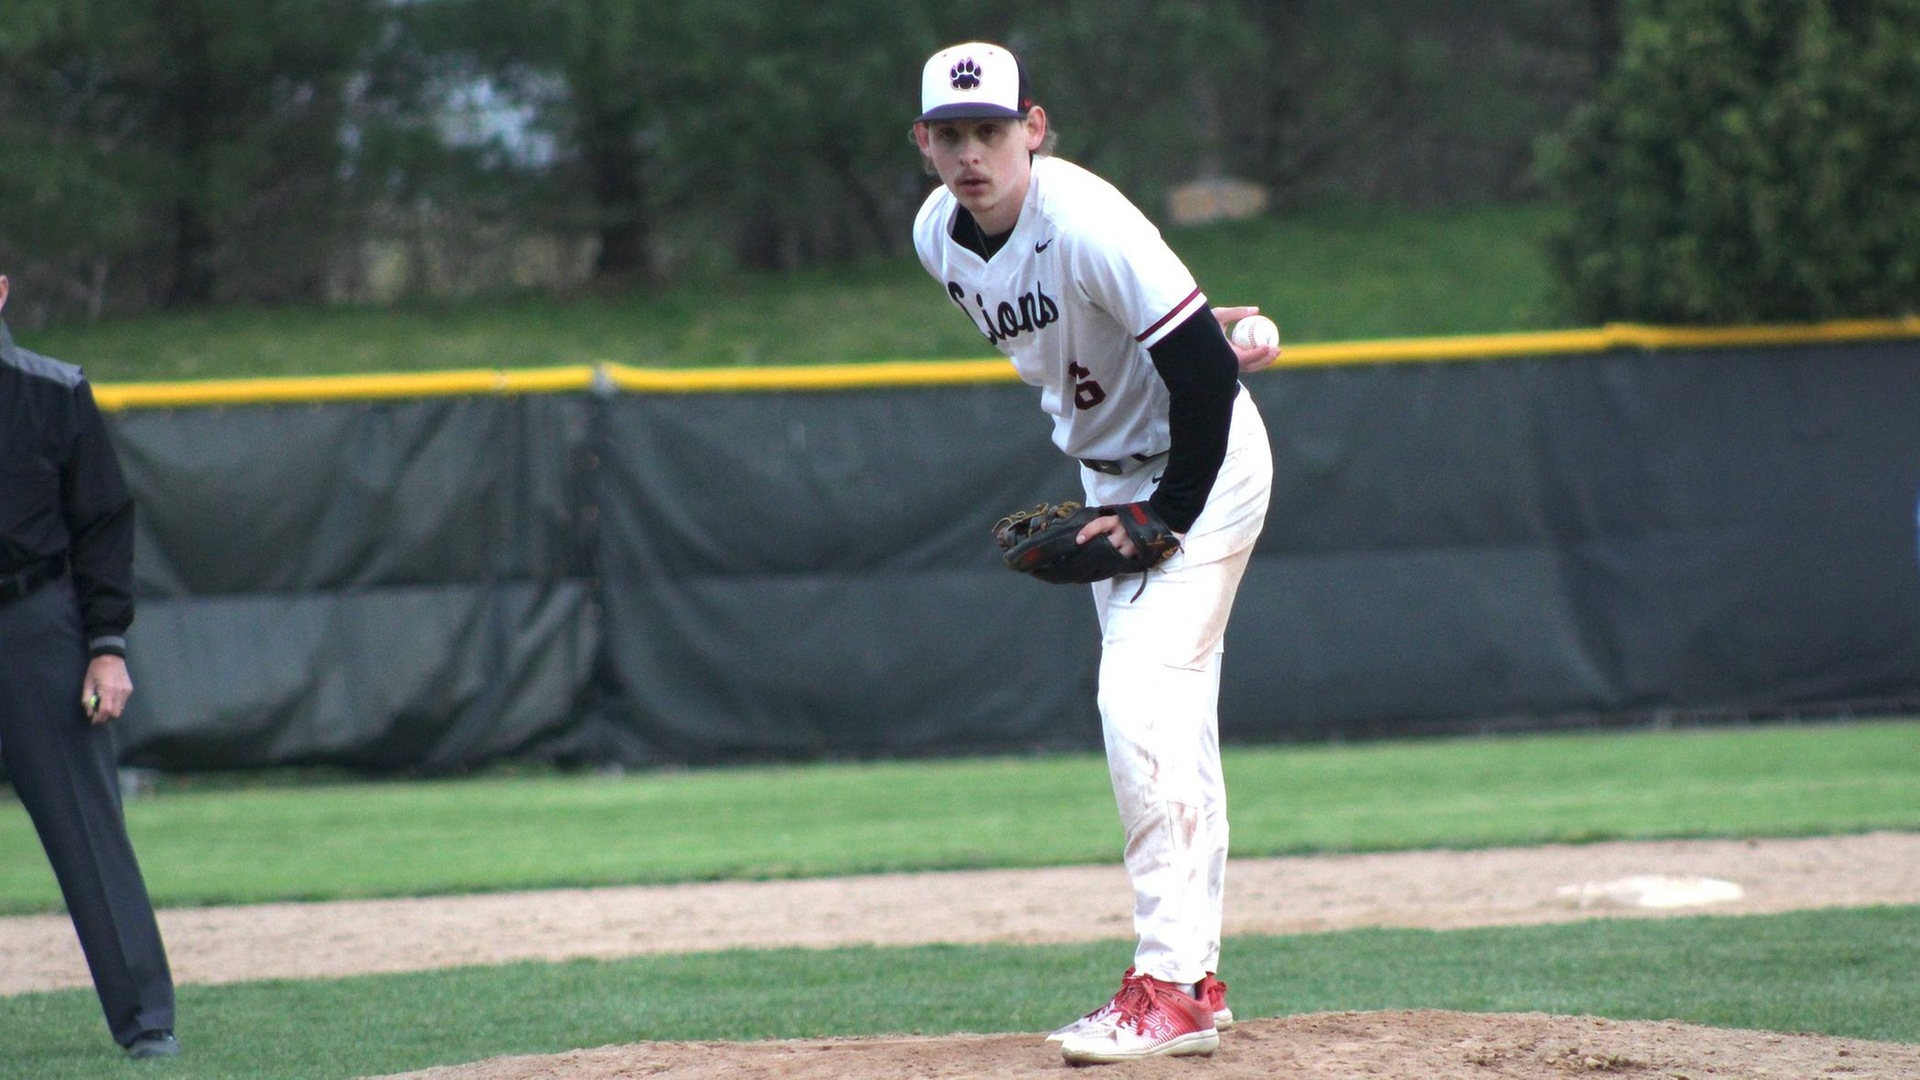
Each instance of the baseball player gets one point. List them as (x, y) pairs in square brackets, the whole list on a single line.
[(1068, 279)]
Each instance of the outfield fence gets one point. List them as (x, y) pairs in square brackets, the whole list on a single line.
[(620, 565)]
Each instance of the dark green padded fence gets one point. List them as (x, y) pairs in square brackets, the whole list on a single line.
[(607, 575)]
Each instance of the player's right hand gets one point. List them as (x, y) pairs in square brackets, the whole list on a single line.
[(1251, 357), (1116, 533)]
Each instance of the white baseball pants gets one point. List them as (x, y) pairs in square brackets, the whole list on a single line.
[(1159, 704)]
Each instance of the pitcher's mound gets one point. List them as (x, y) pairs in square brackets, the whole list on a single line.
[(1413, 1045)]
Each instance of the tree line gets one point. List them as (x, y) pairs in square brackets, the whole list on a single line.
[(182, 153)]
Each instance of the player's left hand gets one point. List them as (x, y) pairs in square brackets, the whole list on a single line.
[(1252, 357), (107, 687)]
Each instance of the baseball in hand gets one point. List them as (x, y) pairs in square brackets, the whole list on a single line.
[(1255, 331)]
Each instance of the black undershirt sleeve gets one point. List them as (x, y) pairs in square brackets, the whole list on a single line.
[(1202, 374)]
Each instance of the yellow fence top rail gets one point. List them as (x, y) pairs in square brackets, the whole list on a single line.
[(802, 377), (320, 388)]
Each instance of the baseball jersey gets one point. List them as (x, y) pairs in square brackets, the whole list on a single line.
[(1076, 295)]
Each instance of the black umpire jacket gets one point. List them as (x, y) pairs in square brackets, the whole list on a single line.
[(63, 497)]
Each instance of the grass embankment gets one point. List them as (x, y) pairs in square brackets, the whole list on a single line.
[(1325, 275)]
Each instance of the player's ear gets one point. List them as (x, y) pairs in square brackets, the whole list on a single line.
[(1036, 123), (922, 137), (3, 290)]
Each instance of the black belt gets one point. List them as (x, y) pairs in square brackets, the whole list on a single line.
[(1122, 466), (22, 583)]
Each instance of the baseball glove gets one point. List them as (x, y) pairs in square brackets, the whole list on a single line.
[(1044, 542)]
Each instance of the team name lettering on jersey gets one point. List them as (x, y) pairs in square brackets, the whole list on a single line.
[(1030, 313)]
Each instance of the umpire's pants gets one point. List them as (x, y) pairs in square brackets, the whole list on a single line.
[(64, 771)]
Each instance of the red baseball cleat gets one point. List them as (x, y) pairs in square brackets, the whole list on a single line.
[(1090, 1021), (1214, 992), (1147, 1018)]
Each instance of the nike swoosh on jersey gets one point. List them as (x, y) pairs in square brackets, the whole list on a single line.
[(1038, 248)]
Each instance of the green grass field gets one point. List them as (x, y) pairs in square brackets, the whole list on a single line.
[(1334, 274), (219, 843), (1838, 972), (203, 839)]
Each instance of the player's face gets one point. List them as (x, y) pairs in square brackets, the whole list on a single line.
[(985, 163)]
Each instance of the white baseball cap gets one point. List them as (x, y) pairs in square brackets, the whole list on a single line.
[(974, 81)]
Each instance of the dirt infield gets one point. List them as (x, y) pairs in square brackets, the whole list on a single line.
[(1267, 896)]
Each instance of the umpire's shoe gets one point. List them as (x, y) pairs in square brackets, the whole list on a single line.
[(154, 1044)]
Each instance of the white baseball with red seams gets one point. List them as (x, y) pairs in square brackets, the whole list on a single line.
[(1256, 331)]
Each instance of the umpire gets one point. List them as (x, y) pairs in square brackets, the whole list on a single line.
[(66, 599)]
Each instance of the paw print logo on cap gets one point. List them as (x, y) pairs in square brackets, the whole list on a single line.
[(965, 75)]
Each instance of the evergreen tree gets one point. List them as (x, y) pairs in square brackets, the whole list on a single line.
[(202, 134), (1747, 161)]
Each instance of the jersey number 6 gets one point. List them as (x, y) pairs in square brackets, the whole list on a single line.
[(1086, 392)]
